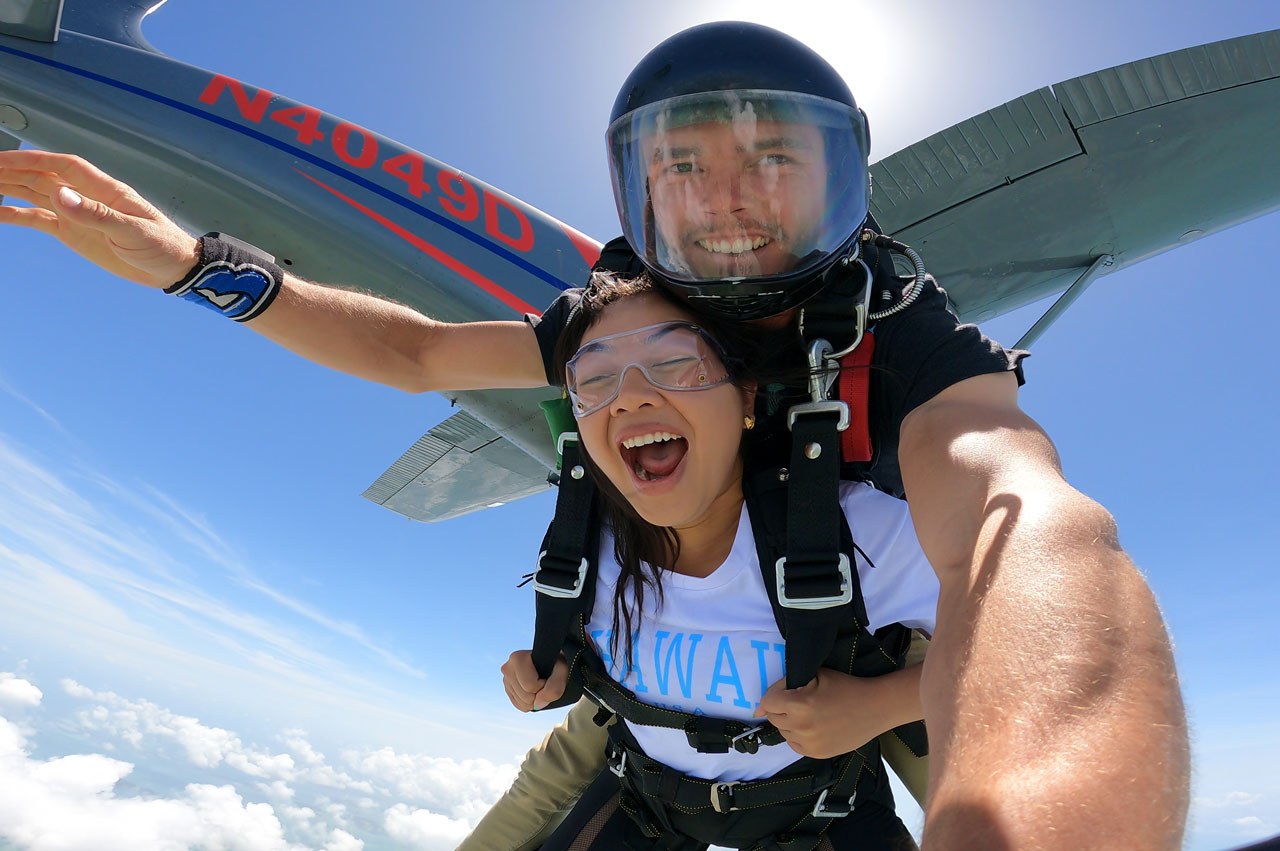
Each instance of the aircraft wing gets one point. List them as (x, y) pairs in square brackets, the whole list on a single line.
[(1015, 204)]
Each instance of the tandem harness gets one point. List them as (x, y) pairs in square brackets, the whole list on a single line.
[(807, 556)]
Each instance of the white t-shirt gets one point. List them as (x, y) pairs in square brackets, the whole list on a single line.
[(713, 648)]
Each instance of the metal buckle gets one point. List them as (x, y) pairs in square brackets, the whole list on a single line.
[(620, 769), (860, 311), (845, 595), (833, 406), (819, 812), (565, 437), (751, 738), (723, 788), (556, 590)]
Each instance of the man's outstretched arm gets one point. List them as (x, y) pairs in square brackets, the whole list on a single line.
[(1055, 718), (112, 226)]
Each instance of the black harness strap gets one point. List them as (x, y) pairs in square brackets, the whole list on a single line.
[(564, 580), (814, 580), (705, 733)]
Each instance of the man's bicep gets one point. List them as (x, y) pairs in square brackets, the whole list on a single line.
[(961, 449), (482, 356)]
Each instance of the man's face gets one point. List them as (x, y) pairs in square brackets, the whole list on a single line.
[(739, 199)]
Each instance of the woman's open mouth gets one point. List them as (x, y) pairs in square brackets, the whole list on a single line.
[(653, 456)]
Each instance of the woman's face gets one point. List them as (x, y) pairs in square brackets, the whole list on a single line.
[(670, 453)]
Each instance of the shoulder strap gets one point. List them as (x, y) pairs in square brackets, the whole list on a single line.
[(565, 576)]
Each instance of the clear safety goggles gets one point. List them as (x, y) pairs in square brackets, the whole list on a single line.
[(670, 355)]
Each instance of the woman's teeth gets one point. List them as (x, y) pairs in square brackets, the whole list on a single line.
[(652, 437), (733, 246)]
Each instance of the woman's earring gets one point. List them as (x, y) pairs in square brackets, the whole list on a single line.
[(748, 422)]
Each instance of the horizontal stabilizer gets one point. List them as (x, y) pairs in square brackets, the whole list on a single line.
[(457, 467), (33, 19)]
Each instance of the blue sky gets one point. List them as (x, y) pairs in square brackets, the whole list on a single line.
[(191, 585)]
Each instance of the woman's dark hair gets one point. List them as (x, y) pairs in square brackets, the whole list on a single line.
[(751, 354)]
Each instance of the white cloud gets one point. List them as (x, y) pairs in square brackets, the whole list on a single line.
[(1231, 799), (463, 789), (423, 829), (69, 804), (340, 840), (204, 746), (17, 691)]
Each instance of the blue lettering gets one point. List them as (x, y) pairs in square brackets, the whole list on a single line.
[(633, 666), (684, 674), (762, 647), (724, 654)]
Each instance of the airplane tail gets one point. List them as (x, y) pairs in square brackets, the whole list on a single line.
[(113, 20)]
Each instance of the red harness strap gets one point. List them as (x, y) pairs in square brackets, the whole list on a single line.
[(855, 391)]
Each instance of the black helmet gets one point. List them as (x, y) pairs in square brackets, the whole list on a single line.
[(739, 165)]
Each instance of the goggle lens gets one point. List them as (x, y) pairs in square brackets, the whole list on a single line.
[(670, 355)]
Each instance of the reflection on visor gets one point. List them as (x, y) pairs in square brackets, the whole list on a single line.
[(670, 355), (739, 184)]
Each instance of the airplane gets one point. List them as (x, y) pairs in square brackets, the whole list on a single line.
[(1040, 195)]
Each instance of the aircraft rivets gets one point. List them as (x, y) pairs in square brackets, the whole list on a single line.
[(812, 451), (577, 472)]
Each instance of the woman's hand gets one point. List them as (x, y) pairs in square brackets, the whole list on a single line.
[(525, 689), (836, 713), (96, 216)]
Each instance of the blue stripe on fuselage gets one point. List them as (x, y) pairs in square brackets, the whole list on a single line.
[(301, 153)]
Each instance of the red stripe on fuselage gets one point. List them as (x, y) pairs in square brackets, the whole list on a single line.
[(514, 302), (587, 247)]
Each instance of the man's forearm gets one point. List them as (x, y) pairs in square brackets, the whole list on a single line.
[(1055, 719), (368, 337), (351, 332)]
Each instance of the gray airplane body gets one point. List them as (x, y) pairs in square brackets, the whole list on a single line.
[(1034, 197)]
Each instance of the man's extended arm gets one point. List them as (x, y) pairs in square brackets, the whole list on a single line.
[(109, 224), (1055, 718)]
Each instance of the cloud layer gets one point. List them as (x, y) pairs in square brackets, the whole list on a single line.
[(249, 798)]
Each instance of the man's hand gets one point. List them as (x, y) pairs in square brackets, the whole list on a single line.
[(835, 713), (525, 689), (96, 216)]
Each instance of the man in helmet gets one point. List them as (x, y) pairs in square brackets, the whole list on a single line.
[(739, 167)]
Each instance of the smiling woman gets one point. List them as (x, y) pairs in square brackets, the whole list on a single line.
[(663, 399)]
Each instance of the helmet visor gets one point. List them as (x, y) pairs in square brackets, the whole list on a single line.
[(739, 185)]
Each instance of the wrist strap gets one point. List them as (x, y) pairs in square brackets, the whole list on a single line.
[(232, 278)]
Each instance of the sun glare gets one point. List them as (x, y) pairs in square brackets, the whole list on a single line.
[(872, 45)]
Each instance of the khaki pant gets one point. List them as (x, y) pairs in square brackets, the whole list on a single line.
[(555, 773)]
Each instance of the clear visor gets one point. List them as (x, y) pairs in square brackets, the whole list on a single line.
[(670, 355), (739, 184)]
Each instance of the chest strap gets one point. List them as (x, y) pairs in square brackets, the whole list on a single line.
[(705, 733)]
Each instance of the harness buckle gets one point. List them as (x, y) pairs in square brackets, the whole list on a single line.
[(618, 767), (845, 595), (722, 797), (833, 406), (748, 741), (556, 590), (820, 809)]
